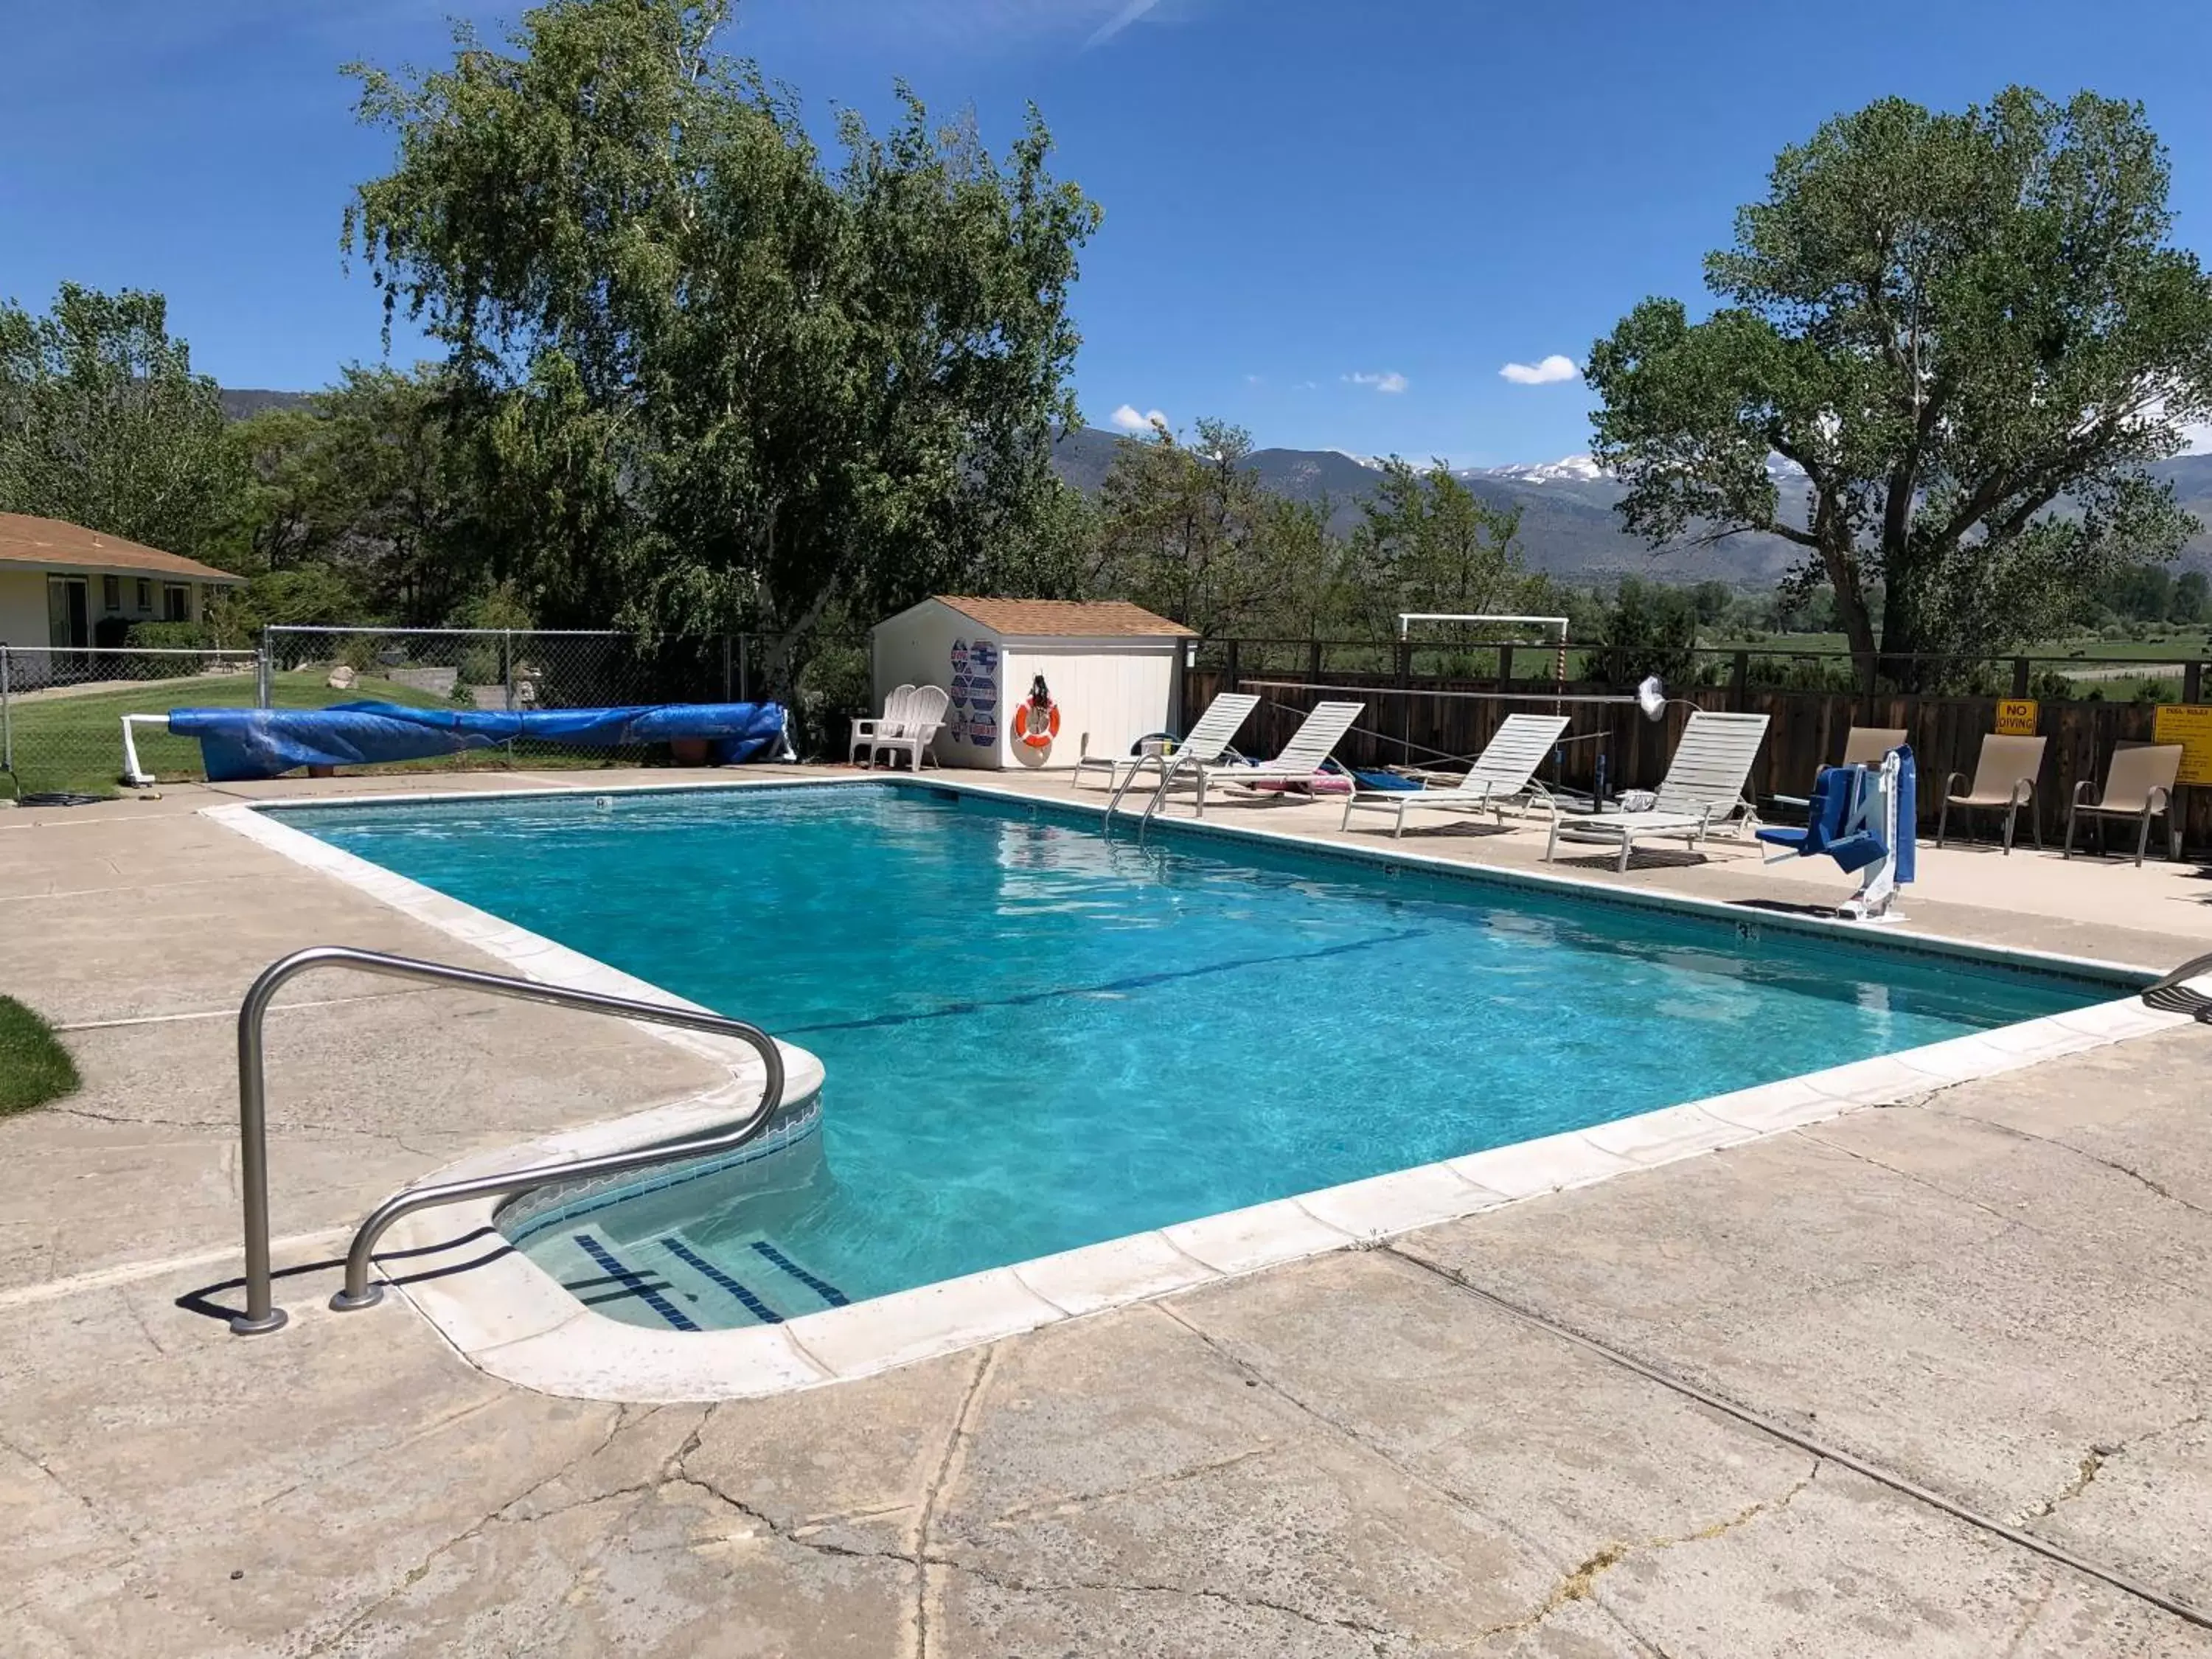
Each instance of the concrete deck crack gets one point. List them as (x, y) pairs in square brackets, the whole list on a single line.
[(1936, 1187), (2113, 1165), (422, 1568), (1374, 1634), (1069, 1503), (2084, 1472), (1372, 1448), (1581, 1584), (925, 1522)]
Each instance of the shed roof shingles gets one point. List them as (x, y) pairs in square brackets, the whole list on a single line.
[(51, 543), (1087, 619)]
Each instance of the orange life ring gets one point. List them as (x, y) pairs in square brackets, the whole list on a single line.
[(1040, 723)]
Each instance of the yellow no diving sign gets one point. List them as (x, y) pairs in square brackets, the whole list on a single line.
[(2189, 725), (2017, 717)]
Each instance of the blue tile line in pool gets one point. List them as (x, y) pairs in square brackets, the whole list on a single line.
[(690, 1258), (820, 1287), (610, 1265), (1106, 988)]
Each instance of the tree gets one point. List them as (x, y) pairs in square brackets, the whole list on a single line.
[(368, 478), (709, 382), (1969, 332), (2192, 599), (104, 424), (1182, 529), (1427, 542)]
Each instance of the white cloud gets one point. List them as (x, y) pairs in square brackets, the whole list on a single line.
[(1130, 418), (1551, 369), (1255, 379), (1390, 381), (2197, 434)]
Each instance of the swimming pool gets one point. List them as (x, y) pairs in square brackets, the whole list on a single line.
[(1036, 1039)]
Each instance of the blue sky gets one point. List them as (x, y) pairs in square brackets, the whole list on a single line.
[(1335, 224)]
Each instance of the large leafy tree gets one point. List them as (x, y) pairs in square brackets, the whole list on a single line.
[(103, 423), (1427, 542), (1184, 530), (711, 381), (1970, 334)]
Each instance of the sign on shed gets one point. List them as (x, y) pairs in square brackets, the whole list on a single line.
[(2189, 725), (2017, 717)]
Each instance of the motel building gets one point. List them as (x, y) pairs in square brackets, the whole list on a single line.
[(65, 589)]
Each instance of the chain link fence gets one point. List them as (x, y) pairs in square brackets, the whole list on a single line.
[(61, 709)]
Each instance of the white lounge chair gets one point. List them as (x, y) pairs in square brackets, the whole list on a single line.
[(1208, 741), (1504, 771), (1308, 748), (889, 723), (924, 720), (1703, 789)]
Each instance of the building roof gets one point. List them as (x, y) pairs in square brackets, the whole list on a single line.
[(52, 544), (1082, 619)]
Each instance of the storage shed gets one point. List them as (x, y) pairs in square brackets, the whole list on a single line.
[(1112, 671)]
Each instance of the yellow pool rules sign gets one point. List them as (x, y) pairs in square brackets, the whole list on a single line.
[(2189, 725), (2017, 717)]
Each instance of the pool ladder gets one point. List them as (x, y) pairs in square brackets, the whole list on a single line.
[(1169, 766), (261, 1315)]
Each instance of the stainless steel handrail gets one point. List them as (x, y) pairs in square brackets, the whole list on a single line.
[(261, 1315)]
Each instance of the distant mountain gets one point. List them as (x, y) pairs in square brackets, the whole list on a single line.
[(1568, 525), (241, 402)]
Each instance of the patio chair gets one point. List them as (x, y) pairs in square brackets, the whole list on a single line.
[(1864, 745), (889, 723), (2139, 785), (1208, 740), (2004, 776), (1704, 787), (925, 718), (1304, 755), (1504, 771)]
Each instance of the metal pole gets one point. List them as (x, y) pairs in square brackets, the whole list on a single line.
[(261, 1315), (7, 719), (263, 674)]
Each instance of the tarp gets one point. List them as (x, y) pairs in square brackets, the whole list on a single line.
[(238, 744)]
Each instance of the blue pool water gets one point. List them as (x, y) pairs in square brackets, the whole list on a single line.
[(1036, 1038)]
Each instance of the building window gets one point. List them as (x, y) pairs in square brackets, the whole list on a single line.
[(111, 594), (145, 597), (176, 602)]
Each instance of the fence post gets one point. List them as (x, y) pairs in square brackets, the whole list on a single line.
[(1232, 664), (506, 658), (263, 673), (1504, 668), (7, 718), (2020, 676), (1738, 680), (1313, 661), (727, 696), (2192, 681)]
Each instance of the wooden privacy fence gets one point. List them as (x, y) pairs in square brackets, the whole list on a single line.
[(1430, 720)]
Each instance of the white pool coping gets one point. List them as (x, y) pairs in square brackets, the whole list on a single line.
[(512, 1320)]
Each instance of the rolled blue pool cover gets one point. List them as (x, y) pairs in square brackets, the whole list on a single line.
[(241, 743)]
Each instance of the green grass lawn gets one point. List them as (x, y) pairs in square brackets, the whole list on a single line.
[(75, 743), (35, 1067)]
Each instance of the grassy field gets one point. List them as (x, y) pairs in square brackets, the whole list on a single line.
[(74, 745), (35, 1067)]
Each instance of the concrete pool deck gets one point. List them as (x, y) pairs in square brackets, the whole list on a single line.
[(1998, 1294)]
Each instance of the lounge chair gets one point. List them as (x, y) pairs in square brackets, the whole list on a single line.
[(887, 724), (1504, 771), (924, 720), (1704, 787), (1305, 754), (1208, 741), (2139, 785), (2004, 776)]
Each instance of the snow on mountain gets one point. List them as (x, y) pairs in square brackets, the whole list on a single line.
[(1372, 463), (1573, 469)]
